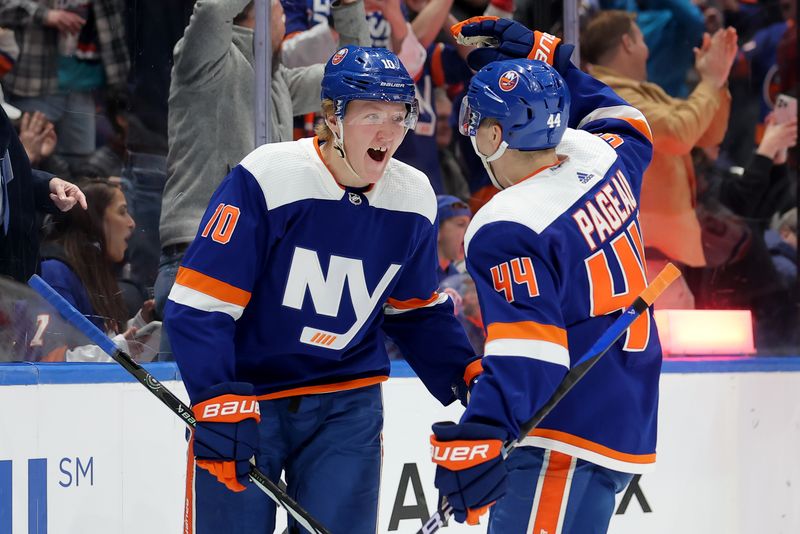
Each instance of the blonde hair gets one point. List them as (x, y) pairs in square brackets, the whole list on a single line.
[(322, 130)]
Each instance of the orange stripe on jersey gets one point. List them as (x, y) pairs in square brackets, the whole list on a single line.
[(473, 369), (325, 388), (640, 125), (551, 497), (411, 304), (437, 68), (188, 511), (212, 287), (527, 330), (570, 439)]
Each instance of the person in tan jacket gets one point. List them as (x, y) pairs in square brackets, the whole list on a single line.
[(613, 46)]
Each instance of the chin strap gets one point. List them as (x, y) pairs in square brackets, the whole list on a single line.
[(486, 160), (338, 144)]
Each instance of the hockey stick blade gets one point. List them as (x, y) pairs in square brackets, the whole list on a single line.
[(76, 319), (668, 274)]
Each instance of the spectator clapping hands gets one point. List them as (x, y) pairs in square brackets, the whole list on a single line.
[(38, 136), (64, 21), (714, 58)]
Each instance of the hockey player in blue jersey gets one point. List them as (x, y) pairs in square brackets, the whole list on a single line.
[(555, 256), (308, 253)]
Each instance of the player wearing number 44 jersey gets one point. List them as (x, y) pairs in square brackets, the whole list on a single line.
[(308, 253), (555, 255)]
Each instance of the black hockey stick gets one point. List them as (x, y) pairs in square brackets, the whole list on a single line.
[(76, 319), (668, 274)]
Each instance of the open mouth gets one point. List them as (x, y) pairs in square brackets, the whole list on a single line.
[(377, 154)]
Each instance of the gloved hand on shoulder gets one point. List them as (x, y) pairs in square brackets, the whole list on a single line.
[(500, 39)]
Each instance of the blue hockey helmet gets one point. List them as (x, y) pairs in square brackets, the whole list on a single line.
[(360, 73), (528, 98)]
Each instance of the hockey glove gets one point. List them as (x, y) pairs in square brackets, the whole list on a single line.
[(500, 39), (226, 435), (470, 471)]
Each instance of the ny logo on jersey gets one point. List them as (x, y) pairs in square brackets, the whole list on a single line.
[(305, 274)]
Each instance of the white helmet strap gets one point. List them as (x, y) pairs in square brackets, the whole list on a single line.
[(338, 142), (486, 160)]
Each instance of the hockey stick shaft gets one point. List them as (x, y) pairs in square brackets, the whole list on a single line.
[(668, 274), (76, 319)]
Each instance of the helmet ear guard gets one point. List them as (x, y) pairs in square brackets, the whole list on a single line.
[(530, 101), (528, 98)]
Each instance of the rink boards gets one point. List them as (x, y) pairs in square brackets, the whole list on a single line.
[(83, 450)]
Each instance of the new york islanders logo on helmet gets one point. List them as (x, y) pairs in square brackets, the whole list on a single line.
[(339, 56), (508, 80)]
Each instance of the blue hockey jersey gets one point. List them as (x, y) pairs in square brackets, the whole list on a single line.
[(555, 258), (292, 281), (302, 15)]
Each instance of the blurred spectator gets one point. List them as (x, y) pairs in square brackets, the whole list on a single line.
[(542, 14), (454, 216), (139, 121), (782, 244), (468, 311), (613, 44), (762, 188), (444, 68), (386, 25), (79, 255), (108, 160), (65, 55), (212, 85), (9, 51), (38, 136), (671, 29), (454, 180), (22, 192), (735, 207)]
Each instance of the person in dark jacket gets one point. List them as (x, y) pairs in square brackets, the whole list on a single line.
[(23, 191)]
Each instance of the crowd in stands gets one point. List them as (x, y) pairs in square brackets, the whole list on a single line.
[(143, 106)]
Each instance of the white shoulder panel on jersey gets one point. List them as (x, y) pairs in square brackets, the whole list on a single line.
[(626, 113), (404, 188), (291, 171), (540, 200)]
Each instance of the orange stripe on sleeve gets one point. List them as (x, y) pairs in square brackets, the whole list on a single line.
[(212, 287), (437, 68), (570, 439), (551, 497), (642, 126), (474, 368), (410, 304), (527, 330)]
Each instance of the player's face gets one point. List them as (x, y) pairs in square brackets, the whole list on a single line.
[(118, 227), (372, 132), (451, 237)]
